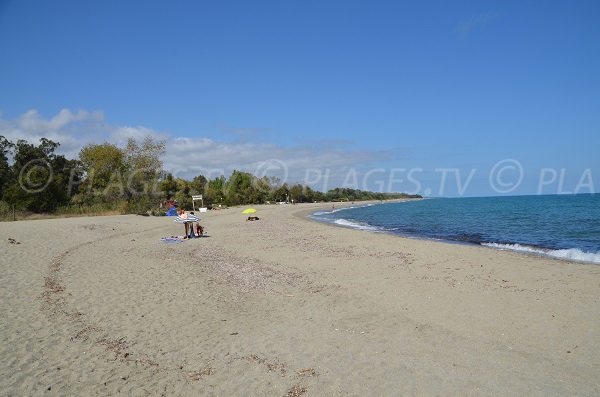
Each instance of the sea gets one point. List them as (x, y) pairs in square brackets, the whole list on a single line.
[(559, 226)]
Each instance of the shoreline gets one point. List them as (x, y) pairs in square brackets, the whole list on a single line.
[(515, 247), (286, 303)]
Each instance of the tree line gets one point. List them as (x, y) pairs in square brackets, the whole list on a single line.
[(131, 179)]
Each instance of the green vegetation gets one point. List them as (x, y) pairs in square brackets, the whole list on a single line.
[(38, 180), (111, 179)]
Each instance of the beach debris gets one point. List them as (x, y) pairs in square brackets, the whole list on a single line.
[(271, 367), (53, 294), (296, 391), (144, 360), (13, 241), (117, 346), (52, 285), (198, 375), (307, 372), (246, 275), (85, 333), (234, 333), (74, 315)]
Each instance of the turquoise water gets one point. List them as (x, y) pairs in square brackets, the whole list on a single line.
[(561, 226)]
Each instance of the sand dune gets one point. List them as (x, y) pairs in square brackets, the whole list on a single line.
[(285, 306)]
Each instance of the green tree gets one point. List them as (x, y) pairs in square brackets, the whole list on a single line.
[(184, 194), (238, 188), (280, 193), (144, 167), (199, 184), (169, 186), (41, 180), (6, 147), (215, 192), (297, 194), (104, 168)]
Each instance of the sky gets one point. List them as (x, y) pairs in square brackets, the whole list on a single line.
[(439, 98)]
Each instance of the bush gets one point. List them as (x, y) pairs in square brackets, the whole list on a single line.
[(123, 208), (157, 212), (5, 209), (139, 205)]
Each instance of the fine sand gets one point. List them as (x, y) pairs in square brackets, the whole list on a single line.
[(285, 306)]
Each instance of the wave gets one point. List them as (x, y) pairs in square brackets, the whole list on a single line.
[(573, 254), (333, 211), (319, 213), (357, 225)]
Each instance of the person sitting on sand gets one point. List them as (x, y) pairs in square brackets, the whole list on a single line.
[(184, 215), (199, 229)]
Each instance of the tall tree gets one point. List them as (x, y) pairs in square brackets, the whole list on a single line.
[(41, 180), (199, 184), (144, 168), (215, 191), (103, 165), (6, 147), (169, 186)]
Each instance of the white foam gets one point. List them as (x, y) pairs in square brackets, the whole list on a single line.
[(573, 254), (320, 213), (356, 225)]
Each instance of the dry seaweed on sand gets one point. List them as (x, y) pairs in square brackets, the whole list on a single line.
[(198, 375), (296, 391), (271, 367), (85, 333), (307, 372), (117, 346)]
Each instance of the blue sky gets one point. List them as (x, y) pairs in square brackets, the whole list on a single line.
[(333, 85)]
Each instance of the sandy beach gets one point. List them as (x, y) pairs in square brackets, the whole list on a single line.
[(285, 306)]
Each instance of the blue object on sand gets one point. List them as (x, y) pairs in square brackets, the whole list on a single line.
[(172, 212), (171, 240)]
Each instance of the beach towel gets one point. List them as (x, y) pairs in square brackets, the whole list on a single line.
[(172, 240)]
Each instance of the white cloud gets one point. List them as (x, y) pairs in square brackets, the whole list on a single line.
[(72, 130), (190, 156)]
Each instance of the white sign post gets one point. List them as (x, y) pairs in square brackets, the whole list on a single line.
[(196, 198)]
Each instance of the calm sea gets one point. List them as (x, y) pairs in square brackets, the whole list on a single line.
[(560, 226)]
